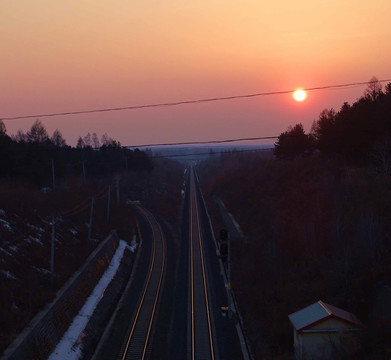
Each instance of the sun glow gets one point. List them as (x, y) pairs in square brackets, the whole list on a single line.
[(299, 95)]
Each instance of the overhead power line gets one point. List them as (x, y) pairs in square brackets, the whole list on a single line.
[(231, 151), (203, 142), (225, 141), (187, 102)]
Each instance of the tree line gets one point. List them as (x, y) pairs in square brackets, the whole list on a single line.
[(359, 133), (315, 228), (33, 155)]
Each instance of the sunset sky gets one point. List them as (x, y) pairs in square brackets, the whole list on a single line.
[(72, 55)]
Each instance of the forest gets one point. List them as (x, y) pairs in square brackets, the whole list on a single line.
[(90, 186), (316, 224), (359, 134), (33, 156)]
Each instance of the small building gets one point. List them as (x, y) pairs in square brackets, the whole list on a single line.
[(320, 329)]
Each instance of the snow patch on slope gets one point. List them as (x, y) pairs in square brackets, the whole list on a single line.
[(70, 346), (6, 225)]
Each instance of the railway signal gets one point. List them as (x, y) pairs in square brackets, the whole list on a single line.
[(225, 253), (223, 244), (223, 234)]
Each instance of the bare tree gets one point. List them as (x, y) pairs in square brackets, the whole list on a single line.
[(382, 155), (80, 143), (95, 141), (3, 130), (87, 140), (105, 140), (108, 141), (20, 136), (57, 139), (37, 133), (374, 89)]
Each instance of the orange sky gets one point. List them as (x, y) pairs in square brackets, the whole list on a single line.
[(78, 55)]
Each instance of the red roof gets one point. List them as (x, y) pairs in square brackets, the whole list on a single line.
[(318, 312)]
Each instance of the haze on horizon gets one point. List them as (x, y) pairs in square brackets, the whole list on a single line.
[(71, 55)]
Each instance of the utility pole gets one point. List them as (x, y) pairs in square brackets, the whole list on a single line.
[(52, 254), (229, 286), (84, 172), (117, 182), (53, 176), (91, 218), (108, 203)]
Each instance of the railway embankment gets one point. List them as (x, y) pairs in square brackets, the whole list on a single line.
[(40, 337)]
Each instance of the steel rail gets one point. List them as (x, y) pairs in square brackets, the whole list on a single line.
[(137, 342), (201, 348), (204, 277), (192, 279)]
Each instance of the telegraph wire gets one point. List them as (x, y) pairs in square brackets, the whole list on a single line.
[(228, 152), (203, 142), (187, 102), (85, 204), (134, 147)]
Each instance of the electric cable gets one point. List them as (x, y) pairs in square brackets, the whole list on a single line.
[(203, 142), (187, 102)]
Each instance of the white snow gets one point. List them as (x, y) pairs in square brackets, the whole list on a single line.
[(2, 213), (14, 248), (237, 226), (6, 252), (133, 244), (8, 275), (35, 239), (6, 225), (70, 346), (37, 228), (41, 270)]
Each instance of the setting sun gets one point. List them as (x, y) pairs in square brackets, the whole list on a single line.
[(299, 95)]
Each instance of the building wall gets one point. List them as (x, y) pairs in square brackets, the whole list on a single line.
[(297, 345), (321, 345), (332, 323), (317, 345)]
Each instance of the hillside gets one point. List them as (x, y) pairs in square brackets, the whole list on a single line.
[(315, 229), (26, 212), (25, 247)]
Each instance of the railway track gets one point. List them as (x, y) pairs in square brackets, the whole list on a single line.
[(201, 345), (137, 345)]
